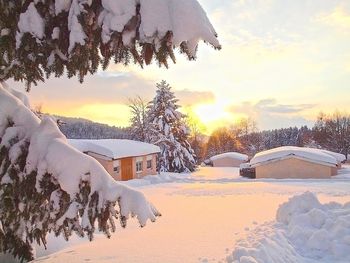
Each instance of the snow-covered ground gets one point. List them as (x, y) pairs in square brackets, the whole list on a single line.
[(214, 215)]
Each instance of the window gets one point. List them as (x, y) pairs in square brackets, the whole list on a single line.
[(139, 166), (149, 164), (116, 165)]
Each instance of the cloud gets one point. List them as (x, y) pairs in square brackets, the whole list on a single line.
[(189, 97), (271, 114), (339, 18), (271, 106), (100, 88)]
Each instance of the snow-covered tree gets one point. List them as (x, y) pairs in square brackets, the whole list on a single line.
[(168, 130), (45, 185), (48, 186), (40, 38)]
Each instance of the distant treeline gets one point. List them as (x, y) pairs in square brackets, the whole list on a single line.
[(78, 128), (331, 132)]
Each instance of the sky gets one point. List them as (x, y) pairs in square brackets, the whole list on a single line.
[(281, 63)]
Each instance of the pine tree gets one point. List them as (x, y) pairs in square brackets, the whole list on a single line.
[(45, 185), (40, 38), (43, 190), (168, 130)]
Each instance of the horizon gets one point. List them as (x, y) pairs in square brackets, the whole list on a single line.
[(280, 72)]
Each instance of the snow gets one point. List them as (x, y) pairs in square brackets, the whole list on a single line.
[(338, 156), (304, 231), (184, 18), (62, 5), (204, 217), (114, 148), (231, 155), (309, 154), (30, 22), (77, 35)]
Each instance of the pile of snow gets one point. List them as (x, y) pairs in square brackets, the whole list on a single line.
[(114, 148), (305, 231), (231, 155), (280, 153), (244, 166)]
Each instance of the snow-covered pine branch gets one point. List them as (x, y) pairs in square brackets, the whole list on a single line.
[(48, 186), (39, 38), (168, 130)]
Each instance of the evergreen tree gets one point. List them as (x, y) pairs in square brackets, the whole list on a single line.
[(45, 185), (40, 38), (168, 130)]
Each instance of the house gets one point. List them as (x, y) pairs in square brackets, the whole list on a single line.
[(229, 159), (294, 162), (123, 159)]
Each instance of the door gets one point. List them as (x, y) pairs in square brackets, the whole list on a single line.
[(126, 169)]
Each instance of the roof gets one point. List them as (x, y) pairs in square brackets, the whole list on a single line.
[(338, 156), (231, 155), (284, 152), (115, 148)]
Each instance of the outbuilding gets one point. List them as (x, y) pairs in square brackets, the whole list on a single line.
[(123, 159), (294, 162), (228, 159)]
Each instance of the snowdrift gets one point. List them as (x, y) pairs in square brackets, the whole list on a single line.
[(305, 231)]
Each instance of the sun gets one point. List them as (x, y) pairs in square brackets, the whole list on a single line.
[(208, 113), (215, 115)]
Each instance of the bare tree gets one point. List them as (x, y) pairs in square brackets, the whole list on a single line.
[(333, 132), (138, 107)]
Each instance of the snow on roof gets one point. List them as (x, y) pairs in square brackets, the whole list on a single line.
[(280, 153), (338, 156), (232, 155), (115, 148)]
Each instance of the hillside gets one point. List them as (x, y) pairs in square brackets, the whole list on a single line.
[(79, 128)]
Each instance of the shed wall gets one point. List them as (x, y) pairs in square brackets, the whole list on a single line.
[(108, 165), (227, 162), (293, 168)]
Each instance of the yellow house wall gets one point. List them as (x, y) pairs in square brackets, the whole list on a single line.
[(226, 162), (335, 170), (293, 168), (108, 165), (145, 171)]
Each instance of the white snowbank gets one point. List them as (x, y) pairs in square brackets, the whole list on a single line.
[(305, 231), (115, 148), (231, 155), (310, 154)]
